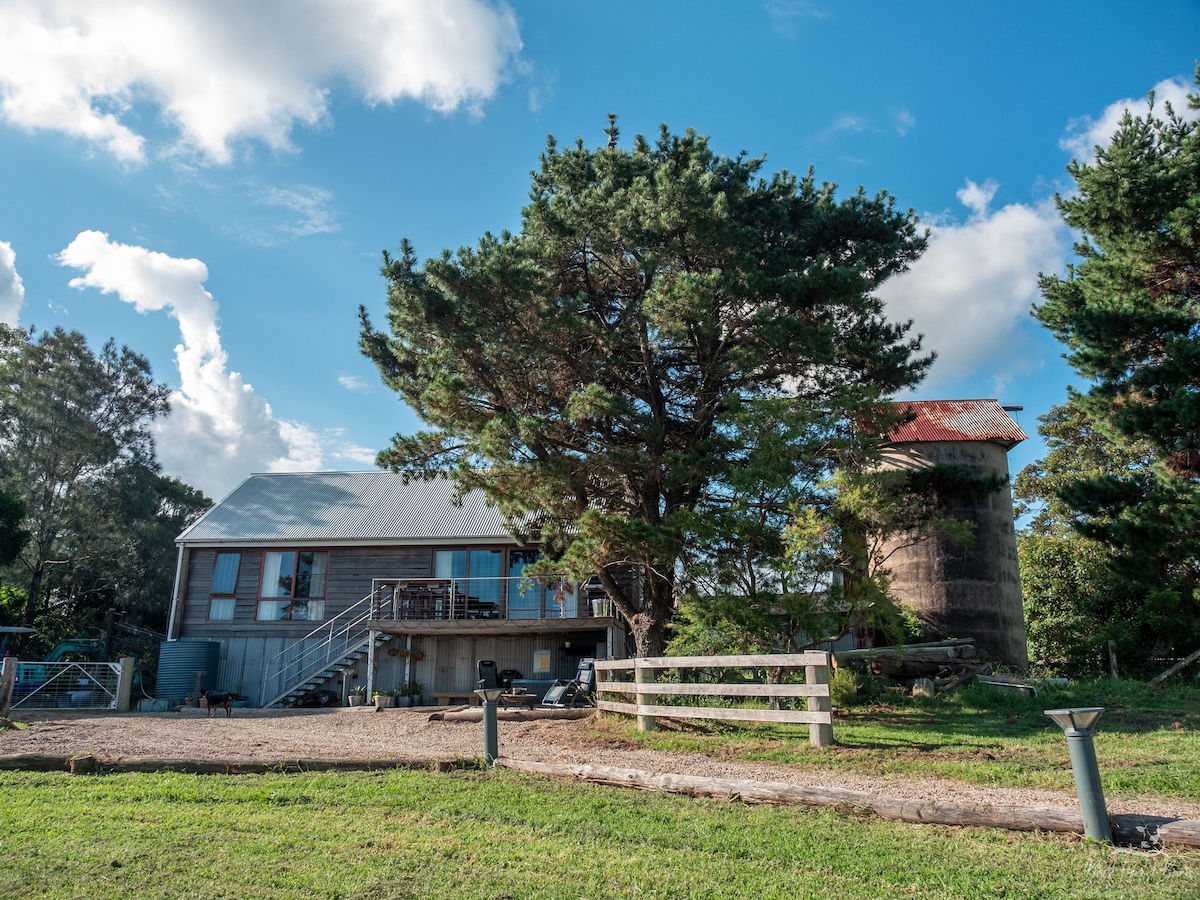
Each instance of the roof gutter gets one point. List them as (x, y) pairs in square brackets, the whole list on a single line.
[(171, 627)]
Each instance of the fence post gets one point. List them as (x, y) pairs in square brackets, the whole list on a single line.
[(125, 684), (819, 735), (644, 674), (8, 677)]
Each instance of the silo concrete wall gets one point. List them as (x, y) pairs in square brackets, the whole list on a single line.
[(965, 590)]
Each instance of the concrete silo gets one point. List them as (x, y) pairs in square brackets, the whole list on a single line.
[(971, 590)]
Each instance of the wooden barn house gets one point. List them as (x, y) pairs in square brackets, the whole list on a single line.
[(298, 582)]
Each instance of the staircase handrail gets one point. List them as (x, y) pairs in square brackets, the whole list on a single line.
[(352, 617)]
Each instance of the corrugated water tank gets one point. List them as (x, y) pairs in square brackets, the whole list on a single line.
[(178, 663)]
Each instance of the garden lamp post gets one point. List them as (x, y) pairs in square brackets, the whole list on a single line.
[(1077, 723), (491, 743)]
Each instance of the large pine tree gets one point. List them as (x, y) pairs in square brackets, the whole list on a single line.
[(612, 375), (1129, 314)]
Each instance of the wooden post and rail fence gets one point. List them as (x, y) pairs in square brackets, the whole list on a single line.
[(647, 687)]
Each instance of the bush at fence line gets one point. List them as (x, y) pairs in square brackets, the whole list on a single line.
[(848, 689)]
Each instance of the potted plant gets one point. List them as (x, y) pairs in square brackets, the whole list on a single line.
[(383, 699), (358, 696), (415, 690), (402, 695)]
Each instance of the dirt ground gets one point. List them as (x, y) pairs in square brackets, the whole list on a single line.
[(258, 735)]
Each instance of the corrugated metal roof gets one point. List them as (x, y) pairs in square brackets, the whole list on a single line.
[(957, 420), (345, 506)]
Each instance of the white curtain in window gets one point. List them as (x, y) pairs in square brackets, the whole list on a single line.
[(277, 574)]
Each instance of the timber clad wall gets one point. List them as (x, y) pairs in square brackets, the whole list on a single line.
[(449, 662), (348, 581)]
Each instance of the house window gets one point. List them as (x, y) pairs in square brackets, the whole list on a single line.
[(293, 585), (526, 598), (476, 574), (529, 599), (224, 583)]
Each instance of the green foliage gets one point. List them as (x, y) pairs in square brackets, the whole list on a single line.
[(13, 536), (848, 689), (76, 448), (657, 366), (1117, 500), (849, 523)]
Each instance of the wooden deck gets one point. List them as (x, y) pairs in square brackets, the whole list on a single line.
[(494, 626)]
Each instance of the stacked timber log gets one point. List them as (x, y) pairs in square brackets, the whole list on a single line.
[(937, 666)]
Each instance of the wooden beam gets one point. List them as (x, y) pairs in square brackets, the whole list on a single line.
[(1182, 664), (486, 627), (744, 661), (1171, 832)]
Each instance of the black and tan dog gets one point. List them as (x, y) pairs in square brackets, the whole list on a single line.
[(216, 699)]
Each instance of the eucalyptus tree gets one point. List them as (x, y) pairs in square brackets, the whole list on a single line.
[(70, 421)]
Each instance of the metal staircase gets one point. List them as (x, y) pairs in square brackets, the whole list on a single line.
[(326, 651)]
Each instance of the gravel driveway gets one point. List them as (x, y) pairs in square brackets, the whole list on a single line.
[(261, 735)]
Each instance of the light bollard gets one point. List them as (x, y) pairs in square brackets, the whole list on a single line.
[(1077, 724), (491, 740)]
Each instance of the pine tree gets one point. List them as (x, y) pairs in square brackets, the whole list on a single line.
[(612, 376), (1124, 469)]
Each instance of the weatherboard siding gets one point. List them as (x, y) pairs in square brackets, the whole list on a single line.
[(348, 580)]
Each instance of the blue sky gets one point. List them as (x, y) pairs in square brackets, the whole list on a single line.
[(212, 182)]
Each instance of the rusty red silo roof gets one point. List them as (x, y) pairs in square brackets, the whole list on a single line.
[(957, 420)]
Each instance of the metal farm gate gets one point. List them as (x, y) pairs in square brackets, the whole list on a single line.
[(66, 685)]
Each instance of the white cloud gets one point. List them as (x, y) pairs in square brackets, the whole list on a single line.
[(310, 204), (905, 121), (786, 15), (846, 123), (223, 70), (977, 198), (1085, 132), (353, 383), (219, 429), (353, 453), (971, 292), (12, 291), (307, 210)]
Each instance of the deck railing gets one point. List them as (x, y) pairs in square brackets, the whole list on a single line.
[(514, 597), (646, 687)]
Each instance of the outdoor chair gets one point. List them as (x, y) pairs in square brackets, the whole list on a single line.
[(576, 692), (488, 679)]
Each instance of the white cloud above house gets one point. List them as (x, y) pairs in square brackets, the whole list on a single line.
[(787, 16), (12, 291), (222, 71), (219, 430), (1086, 132), (970, 294)]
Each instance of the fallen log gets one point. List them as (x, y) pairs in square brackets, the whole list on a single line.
[(1182, 664), (475, 714), (1179, 832), (77, 764)]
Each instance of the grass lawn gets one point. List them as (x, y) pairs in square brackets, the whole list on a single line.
[(1147, 741), (498, 834)]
